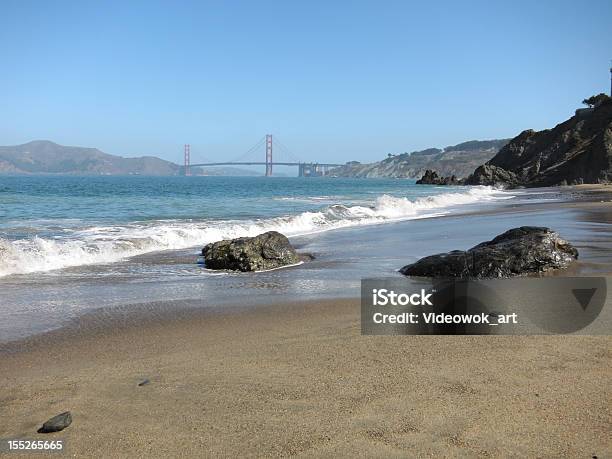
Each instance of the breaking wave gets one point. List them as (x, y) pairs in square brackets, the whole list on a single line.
[(107, 244)]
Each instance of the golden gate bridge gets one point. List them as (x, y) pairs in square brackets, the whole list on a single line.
[(287, 158)]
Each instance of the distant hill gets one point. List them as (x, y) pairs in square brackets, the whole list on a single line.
[(459, 160), (45, 157)]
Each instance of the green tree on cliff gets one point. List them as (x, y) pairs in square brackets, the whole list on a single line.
[(594, 101)]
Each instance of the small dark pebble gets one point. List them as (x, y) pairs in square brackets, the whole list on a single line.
[(57, 423), (144, 382), (306, 256)]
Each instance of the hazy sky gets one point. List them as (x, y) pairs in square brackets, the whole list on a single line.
[(333, 80)]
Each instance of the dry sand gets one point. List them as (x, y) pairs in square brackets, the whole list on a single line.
[(300, 380)]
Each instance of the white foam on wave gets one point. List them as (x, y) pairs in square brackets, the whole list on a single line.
[(108, 244), (310, 199)]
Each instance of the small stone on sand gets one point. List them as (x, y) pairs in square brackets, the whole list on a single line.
[(57, 423)]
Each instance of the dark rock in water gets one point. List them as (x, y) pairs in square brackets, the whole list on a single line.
[(488, 174), (519, 251), (306, 256), (576, 151), (57, 423), (266, 251), (432, 178)]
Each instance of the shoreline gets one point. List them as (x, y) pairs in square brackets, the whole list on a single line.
[(590, 198), (167, 235), (567, 196)]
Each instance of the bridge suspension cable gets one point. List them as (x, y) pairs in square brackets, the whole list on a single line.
[(250, 151), (285, 151)]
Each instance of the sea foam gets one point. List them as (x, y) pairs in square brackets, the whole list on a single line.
[(108, 244)]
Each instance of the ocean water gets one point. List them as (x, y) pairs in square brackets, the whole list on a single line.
[(73, 247), (52, 223)]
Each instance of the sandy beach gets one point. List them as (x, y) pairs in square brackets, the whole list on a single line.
[(297, 378)]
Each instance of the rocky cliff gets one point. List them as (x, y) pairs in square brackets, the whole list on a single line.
[(459, 160), (576, 151)]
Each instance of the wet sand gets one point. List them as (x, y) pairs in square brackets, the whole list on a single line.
[(299, 379)]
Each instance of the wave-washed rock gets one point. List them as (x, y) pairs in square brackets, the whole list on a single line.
[(266, 251), (432, 178), (519, 251)]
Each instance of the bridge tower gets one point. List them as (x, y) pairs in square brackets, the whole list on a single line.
[(268, 155), (187, 159)]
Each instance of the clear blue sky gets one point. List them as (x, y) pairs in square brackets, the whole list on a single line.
[(334, 80)]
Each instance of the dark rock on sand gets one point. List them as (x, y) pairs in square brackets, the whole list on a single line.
[(57, 423), (576, 151), (432, 178), (266, 251), (519, 251)]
